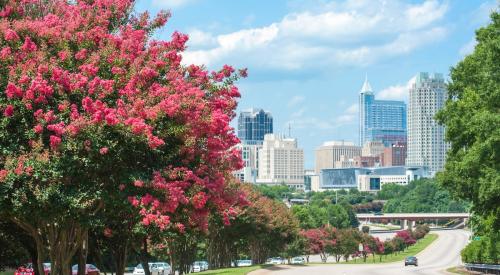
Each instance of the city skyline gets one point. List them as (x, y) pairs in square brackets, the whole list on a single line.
[(310, 77)]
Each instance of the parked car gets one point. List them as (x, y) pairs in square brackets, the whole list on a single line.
[(298, 260), (411, 260), (46, 268), (89, 270), (26, 269), (200, 266), (243, 263), (160, 268), (276, 260)]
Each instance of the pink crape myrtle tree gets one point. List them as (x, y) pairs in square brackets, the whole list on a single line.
[(91, 107)]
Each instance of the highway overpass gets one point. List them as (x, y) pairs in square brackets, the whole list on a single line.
[(408, 219)]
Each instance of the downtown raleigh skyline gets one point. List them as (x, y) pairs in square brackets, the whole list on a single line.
[(395, 141)]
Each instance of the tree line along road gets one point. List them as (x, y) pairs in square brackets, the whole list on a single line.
[(440, 255)]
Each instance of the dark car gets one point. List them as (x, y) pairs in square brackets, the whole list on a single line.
[(411, 260), (89, 270)]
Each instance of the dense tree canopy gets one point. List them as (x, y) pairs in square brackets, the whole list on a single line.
[(423, 195), (472, 120)]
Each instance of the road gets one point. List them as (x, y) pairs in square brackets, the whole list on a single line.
[(441, 254)]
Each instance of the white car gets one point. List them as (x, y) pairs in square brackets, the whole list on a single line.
[(298, 260), (162, 268), (159, 268), (277, 260), (200, 266), (243, 263)]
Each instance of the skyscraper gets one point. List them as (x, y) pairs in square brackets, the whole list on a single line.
[(426, 145), (253, 124), (380, 120)]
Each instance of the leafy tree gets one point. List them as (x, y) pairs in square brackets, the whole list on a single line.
[(472, 120), (92, 106), (348, 242), (317, 242), (276, 192)]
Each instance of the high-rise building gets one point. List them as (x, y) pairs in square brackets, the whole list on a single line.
[(380, 120), (331, 152), (426, 144), (281, 162), (253, 124)]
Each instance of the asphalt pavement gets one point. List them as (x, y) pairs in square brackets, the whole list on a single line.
[(435, 259)]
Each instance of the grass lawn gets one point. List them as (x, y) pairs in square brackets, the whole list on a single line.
[(232, 271), (6, 272), (458, 270), (411, 251)]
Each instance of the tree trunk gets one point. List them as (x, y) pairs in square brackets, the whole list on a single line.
[(121, 258), (82, 255), (144, 257)]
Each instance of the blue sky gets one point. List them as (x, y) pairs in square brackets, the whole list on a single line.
[(307, 59)]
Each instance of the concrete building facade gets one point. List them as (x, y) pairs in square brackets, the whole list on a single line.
[(250, 157), (281, 162), (395, 155), (426, 144), (330, 152)]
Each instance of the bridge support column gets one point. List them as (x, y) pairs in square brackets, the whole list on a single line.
[(404, 224), (411, 225)]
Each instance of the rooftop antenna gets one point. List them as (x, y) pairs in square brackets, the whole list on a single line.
[(289, 130)]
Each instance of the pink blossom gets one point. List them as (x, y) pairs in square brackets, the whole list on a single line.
[(10, 35), (138, 183), (38, 128), (29, 45), (58, 128), (121, 187), (3, 174), (81, 54), (63, 55), (54, 142), (103, 150), (108, 233), (5, 53), (9, 111)]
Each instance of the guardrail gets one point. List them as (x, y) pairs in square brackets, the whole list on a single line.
[(485, 268)]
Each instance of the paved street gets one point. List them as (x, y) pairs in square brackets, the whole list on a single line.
[(443, 253)]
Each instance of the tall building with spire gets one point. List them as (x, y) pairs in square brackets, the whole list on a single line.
[(426, 144), (380, 120)]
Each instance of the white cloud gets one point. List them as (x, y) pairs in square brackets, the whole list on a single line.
[(353, 109), (350, 115), (295, 100), (348, 33), (468, 48), (396, 92), (198, 38)]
